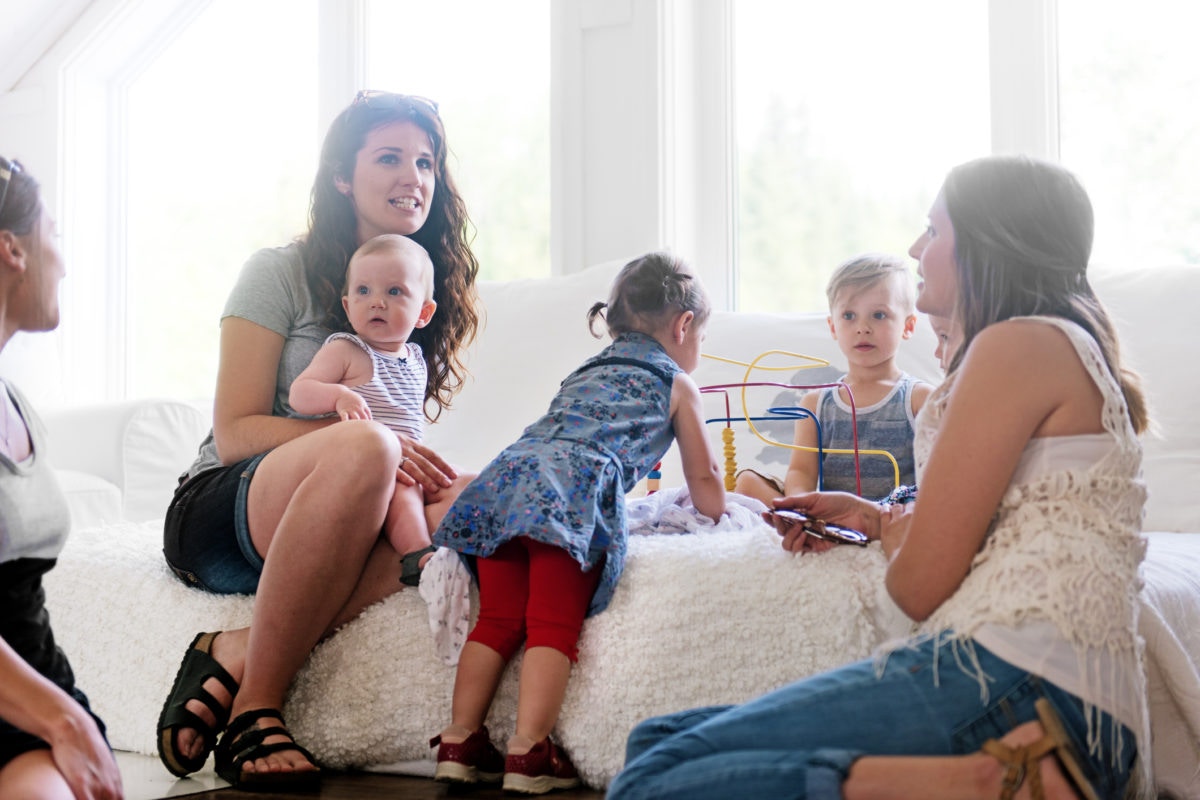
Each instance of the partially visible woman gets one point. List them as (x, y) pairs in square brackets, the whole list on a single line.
[(51, 744), (1019, 558), (291, 509)]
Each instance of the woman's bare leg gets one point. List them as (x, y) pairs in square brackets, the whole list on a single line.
[(34, 776), (316, 509), (972, 777)]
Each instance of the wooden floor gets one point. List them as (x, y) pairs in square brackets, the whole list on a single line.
[(369, 786)]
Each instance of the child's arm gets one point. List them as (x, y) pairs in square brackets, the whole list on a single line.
[(324, 384), (803, 467), (701, 469)]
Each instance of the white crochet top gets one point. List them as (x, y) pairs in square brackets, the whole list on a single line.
[(1059, 565)]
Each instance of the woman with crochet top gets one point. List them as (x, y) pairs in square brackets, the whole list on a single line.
[(1018, 561)]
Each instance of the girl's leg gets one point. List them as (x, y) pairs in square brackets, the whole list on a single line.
[(559, 594), (498, 632)]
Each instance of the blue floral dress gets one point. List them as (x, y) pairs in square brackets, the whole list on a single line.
[(564, 481)]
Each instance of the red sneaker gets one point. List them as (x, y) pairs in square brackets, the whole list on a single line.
[(475, 760), (543, 769)]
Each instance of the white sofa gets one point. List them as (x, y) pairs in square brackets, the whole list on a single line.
[(716, 616)]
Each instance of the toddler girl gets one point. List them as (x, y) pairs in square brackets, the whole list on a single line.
[(546, 518)]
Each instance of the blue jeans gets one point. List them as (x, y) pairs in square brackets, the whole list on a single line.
[(800, 741)]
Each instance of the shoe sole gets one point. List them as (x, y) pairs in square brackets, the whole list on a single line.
[(539, 784), (454, 772)]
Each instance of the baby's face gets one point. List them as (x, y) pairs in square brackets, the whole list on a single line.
[(942, 328), (386, 298)]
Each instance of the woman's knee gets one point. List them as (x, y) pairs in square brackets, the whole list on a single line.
[(35, 776)]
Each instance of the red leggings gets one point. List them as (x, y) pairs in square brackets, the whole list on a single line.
[(533, 592)]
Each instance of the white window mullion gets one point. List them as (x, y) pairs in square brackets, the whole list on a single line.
[(698, 173), (1023, 37), (341, 30)]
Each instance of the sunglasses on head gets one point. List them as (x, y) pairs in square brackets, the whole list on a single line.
[(7, 170), (374, 98)]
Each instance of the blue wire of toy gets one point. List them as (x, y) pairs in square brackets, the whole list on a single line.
[(786, 412)]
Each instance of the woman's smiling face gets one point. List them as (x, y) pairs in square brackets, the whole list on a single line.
[(937, 292), (393, 181)]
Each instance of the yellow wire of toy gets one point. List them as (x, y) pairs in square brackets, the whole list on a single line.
[(813, 362)]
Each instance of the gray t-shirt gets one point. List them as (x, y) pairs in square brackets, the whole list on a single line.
[(34, 516), (271, 291)]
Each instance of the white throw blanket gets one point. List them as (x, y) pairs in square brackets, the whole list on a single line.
[(711, 617)]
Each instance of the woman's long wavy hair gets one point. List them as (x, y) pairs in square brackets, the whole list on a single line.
[(1022, 241), (332, 239)]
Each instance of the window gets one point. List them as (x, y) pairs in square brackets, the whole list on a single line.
[(220, 164), (1130, 126), (848, 115), (488, 66)]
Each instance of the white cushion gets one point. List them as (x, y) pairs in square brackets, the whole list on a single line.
[(160, 441), (92, 500), (533, 335), (1155, 328)]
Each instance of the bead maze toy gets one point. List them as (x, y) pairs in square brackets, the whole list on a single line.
[(783, 412)]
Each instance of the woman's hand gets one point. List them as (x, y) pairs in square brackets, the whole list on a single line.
[(840, 508), (894, 522), (83, 758), (795, 537), (420, 465)]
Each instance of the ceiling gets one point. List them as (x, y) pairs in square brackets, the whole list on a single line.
[(28, 28)]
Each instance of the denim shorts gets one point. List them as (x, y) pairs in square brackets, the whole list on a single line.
[(206, 536)]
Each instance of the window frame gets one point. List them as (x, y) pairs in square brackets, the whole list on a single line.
[(672, 97)]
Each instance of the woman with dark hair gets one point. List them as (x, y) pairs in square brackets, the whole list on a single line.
[(51, 744), (291, 509), (1018, 560)]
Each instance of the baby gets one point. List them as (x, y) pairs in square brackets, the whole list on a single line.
[(376, 373)]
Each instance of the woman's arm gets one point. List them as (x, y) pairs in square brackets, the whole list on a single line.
[(701, 470), (804, 466), (1018, 380), (35, 705), (243, 425), (920, 393)]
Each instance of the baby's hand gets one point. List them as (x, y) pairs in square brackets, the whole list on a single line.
[(352, 406)]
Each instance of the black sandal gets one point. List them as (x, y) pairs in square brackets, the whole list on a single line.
[(410, 566), (197, 667), (244, 742)]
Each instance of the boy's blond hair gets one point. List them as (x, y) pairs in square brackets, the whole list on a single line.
[(864, 271)]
